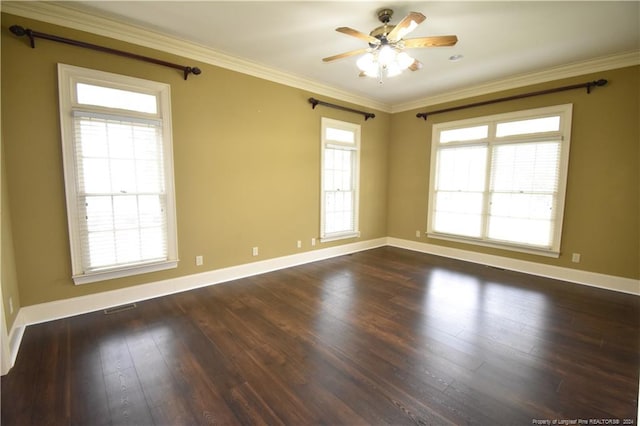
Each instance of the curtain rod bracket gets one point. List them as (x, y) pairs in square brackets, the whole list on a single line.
[(588, 85), (21, 31), (597, 83), (315, 102)]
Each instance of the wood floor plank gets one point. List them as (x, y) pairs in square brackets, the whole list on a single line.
[(383, 336), (52, 393), (87, 377), (19, 386)]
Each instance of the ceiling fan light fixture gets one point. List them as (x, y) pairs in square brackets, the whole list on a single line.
[(386, 61), (366, 62), (393, 69), (386, 55), (404, 60)]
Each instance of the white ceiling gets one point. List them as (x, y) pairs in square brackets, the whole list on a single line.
[(499, 40)]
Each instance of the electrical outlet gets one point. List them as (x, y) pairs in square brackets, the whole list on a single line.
[(199, 260), (10, 305), (575, 257), (313, 241), (418, 233), (254, 252), (299, 244)]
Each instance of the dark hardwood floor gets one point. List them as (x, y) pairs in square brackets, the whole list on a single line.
[(385, 336)]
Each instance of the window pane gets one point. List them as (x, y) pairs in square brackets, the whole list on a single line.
[(338, 207), (339, 135), (120, 136), (464, 134), (93, 139), (149, 176), (153, 243), (526, 167), (151, 211), (101, 249), (337, 174), (519, 230), (532, 206), (125, 211), (99, 213), (461, 169), (89, 94), (534, 125), (95, 176), (458, 213), (123, 176), (127, 246), (522, 218)]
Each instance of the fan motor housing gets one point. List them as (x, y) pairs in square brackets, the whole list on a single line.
[(382, 31), (384, 16)]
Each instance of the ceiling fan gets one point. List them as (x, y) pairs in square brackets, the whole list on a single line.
[(385, 55)]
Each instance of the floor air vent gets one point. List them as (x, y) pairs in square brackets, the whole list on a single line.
[(121, 308)]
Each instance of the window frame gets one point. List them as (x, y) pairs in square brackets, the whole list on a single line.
[(68, 77), (355, 175), (563, 135)]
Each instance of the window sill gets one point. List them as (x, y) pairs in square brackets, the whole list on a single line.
[(123, 272), (498, 245), (342, 236)]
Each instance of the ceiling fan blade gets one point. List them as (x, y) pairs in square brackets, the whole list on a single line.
[(345, 55), (358, 34), (415, 66), (437, 41), (404, 27)]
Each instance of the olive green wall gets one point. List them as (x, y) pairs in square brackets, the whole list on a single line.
[(246, 160), (602, 216), (8, 266)]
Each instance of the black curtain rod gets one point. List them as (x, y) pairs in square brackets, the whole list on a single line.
[(315, 102), (21, 31), (588, 85)]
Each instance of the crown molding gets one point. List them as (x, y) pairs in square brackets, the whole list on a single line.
[(575, 69), (67, 16), (70, 17)]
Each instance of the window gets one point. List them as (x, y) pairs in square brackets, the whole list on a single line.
[(340, 175), (500, 180), (118, 169)]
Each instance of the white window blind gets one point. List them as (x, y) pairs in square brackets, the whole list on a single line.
[(459, 190), (118, 174), (523, 193), (340, 165), (500, 180), (120, 185)]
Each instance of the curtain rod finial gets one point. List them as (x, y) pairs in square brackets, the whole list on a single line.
[(18, 30)]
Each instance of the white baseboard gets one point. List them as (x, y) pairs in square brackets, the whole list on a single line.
[(593, 279), (50, 311), (15, 339), (58, 309)]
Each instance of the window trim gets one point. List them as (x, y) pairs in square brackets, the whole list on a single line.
[(563, 135), (356, 129), (68, 77)]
